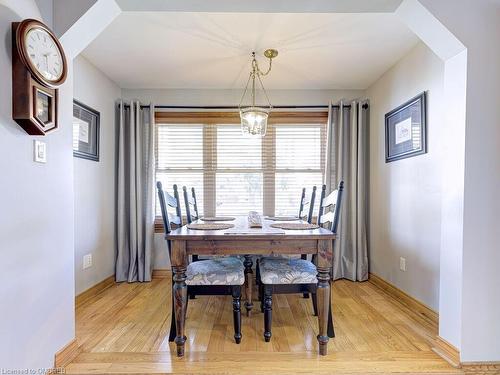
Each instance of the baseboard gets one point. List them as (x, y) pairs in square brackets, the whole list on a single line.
[(484, 368), (447, 351), (95, 290), (162, 273), (64, 356), (405, 298)]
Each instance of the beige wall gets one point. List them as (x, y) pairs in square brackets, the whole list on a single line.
[(405, 195), (94, 182)]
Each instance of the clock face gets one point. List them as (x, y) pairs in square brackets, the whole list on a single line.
[(44, 54)]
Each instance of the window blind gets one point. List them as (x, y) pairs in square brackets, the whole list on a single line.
[(233, 174), (299, 163), (179, 159)]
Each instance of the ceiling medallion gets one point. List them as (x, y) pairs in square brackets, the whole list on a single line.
[(254, 117)]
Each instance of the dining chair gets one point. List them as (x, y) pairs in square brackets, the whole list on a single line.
[(218, 276), (191, 215), (191, 210), (191, 205), (307, 205), (288, 276), (303, 205)]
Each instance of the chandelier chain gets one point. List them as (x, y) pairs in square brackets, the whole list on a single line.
[(256, 73)]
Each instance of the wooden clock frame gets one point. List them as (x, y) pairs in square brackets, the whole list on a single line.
[(28, 83)]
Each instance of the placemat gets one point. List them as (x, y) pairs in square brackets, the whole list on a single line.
[(292, 226), (218, 218), (282, 218), (211, 226)]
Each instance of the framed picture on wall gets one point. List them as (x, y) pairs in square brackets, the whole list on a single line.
[(85, 131), (406, 130)]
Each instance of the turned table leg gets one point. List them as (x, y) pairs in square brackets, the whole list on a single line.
[(179, 261), (248, 283), (323, 292), (180, 305)]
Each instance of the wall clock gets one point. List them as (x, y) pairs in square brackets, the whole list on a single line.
[(39, 67)]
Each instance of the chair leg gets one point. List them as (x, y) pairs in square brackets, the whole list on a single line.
[(304, 257), (194, 258), (330, 329), (257, 278), (261, 297), (236, 293), (315, 303), (173, 329), (268, 314)]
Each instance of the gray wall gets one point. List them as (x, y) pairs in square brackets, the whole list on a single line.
[(405, 195), (36, 225), (94, 182)]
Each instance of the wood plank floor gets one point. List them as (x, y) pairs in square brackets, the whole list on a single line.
[(125, 330)]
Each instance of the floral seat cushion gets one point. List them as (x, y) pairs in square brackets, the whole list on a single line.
[(216, 271), (287, 271)]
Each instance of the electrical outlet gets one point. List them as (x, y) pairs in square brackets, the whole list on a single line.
[(87, 261), (402, 264)]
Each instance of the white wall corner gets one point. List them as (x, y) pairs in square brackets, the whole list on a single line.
[(429, 29), (89, 26), (454, 54)]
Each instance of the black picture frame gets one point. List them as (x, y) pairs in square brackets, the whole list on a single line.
[(86, 123), (406, 129)]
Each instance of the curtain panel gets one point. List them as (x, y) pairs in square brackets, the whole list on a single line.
[(347, 160), (135, 192)]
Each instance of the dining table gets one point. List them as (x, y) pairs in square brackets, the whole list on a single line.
[(245, 241)]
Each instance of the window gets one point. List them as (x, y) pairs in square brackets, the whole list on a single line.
[(238, 172), (299, 163), (179, 158), (233, 174)]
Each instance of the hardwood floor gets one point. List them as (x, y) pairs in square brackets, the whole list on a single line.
[(125, 330)]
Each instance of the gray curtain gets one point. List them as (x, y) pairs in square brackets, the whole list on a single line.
[(135, 192), (347, 160)]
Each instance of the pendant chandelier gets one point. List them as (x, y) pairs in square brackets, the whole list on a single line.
[(254, 117)]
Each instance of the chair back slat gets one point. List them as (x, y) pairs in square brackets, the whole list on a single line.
[(327, 217), (170, 200), (330, 199), (191, 205), (174, 219), (329, 210)]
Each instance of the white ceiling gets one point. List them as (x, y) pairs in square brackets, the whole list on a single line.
[(212, 50)]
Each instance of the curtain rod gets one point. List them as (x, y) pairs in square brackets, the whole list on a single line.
[(365, 106)]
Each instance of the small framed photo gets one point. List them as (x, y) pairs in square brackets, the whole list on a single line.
[(406, 130), (85, 131)]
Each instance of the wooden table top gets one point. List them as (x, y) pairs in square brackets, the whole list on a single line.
[(242, 231)]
